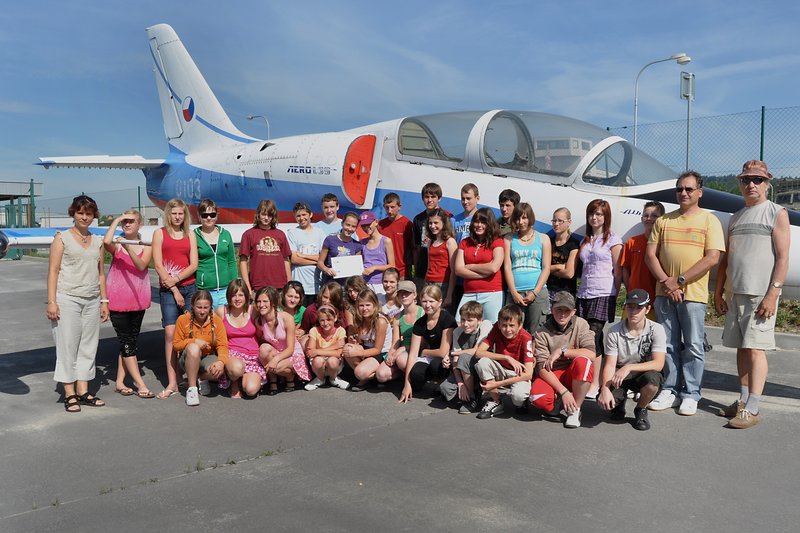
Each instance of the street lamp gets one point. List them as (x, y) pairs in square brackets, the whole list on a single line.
[(251, 117), (681, 59)]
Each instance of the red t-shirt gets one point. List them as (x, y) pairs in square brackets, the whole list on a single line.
[(481, 255), (400, 231), (438, 264), (267, 250), (520, 347), (175, 256)]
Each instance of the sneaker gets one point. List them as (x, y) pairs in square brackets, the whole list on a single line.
[(688, 407), (618, 412), (573, 420), (359, 387), (732, 410), (203, 387), (314, 384), (192, 396), (664, 400), (744, 419), (592, 395), (340, 383), (640, 421), (467, 408), (492, 408)]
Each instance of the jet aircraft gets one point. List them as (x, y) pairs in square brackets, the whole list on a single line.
[(552, 161)]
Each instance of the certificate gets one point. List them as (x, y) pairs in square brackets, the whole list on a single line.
[(348, 265)]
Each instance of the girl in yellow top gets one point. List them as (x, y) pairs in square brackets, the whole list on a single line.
[(201, 343)]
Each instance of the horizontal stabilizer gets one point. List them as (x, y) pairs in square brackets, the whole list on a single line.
[(133, 162)]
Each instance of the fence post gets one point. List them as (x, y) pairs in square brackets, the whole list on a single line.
[(139, 197), (761, 147), (32, 209)]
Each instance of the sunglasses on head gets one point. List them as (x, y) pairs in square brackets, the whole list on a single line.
[(213, 214), (747, 180)]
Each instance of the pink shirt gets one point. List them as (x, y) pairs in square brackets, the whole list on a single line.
[(598, 268), (128, 288)]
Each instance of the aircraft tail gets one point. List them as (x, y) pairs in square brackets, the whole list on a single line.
[(193, 117)]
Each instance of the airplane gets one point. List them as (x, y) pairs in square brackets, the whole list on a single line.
[(552, 161)]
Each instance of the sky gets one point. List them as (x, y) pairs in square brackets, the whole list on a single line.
[(76, 79)]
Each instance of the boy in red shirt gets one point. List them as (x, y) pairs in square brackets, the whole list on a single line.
[(635, 274), (505, 361), (400, 229)]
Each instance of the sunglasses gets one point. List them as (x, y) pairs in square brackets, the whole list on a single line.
[(747, 180), (213, 214), (689, 190)]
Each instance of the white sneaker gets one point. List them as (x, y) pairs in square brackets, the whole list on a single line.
[(192, 396), (340, 383), (203, 387), (664, 400), (314, 384), (688, 407), (574, 420)]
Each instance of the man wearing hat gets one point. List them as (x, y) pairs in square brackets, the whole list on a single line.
[(564, 350), (635, 353), (749, 282), (683, 246)]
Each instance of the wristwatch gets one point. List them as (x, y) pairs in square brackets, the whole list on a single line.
[(777, 284), (681, 280), (563, 351)]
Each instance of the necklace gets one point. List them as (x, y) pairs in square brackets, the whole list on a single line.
[(84, 239), (526, 237)]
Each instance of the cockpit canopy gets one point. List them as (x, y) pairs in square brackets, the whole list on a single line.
[(522, 143)]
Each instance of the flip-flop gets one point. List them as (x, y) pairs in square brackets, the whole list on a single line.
[(145, 394), (166, 393), (125, 391)]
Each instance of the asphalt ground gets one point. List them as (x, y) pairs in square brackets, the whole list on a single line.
[(331, 460)]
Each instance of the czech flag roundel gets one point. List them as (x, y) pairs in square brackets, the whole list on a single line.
[(188, 108)]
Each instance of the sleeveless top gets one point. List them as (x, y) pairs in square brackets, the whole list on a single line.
[(526, 262), (438, 263), (374, 257), (406, 330), (128, 288), (750, 254), (277, 338), (175, 255), (79, 274), (368, 340), (241, 340)]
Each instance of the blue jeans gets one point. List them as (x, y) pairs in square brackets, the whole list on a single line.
[(492, 302), (684, 321)]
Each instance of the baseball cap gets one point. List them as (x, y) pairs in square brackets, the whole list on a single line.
[(367, 218), (638, 297), (407, 286), (564, 299)]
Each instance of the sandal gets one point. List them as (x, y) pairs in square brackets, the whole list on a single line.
[(166, 393), (124, 391), (144, 393), (94, 401), (289, 386), (273, 388), (71, 404)]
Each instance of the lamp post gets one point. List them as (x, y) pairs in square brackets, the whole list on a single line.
[(681, 59), (251, 117), (687, 93)]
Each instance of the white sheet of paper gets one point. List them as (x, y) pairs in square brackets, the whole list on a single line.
[(347, 265)]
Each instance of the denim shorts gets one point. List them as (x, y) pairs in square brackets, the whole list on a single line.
[(169, 308)]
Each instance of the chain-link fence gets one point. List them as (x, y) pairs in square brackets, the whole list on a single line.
[(50, 211), (719, 145)]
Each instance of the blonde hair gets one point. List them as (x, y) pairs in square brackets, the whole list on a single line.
[(177, 202), (431, 291)]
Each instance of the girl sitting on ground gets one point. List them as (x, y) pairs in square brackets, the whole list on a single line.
[(429, 354), (392, 307), (329, 294), (325, 343), (368, 346), (280, 354), (244, 369), (394, 365), (292, 302)]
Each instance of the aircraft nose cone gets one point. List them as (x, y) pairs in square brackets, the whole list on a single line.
[(3, 245)]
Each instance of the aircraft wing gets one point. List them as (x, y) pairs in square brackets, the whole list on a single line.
[(30, 238), (132, 162)]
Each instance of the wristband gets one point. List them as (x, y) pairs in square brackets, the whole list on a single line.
[(103, 300), (562, 393)]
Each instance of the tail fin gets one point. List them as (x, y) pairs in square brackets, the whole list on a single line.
[(193, 117)]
